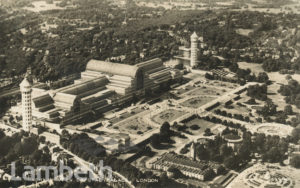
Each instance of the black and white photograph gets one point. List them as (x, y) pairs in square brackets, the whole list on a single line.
[(149, 93)]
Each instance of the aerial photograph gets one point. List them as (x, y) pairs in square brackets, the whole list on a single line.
[(149, 93)]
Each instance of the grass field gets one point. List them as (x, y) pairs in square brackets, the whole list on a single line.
[(254, 67), (236, 109), (277, 80), (201, 123)]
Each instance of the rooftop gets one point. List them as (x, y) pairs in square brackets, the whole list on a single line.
[(194, 36), (112, 68), (25, 83)]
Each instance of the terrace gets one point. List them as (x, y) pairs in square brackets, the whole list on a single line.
[(196, 102), (167, 115)]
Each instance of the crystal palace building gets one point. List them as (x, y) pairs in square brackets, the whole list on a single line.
[(102, 86)]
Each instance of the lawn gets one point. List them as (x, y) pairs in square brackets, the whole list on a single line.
[(237, 109), (254, 67), (196, 102), (203, 124), (168, 115), (276, 97)]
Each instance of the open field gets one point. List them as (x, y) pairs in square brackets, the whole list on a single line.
[(281, 78), (277, 80), (196, 102), (276, 97), (273, 94), (168, 115), (273, 76), (254, 67)]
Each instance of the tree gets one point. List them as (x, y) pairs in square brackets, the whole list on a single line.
[(268, 109), (176, 173), (42, 139), (251, 101), (2, 134), (295, 161), (232, 162), (273, 155), (288, 77), (155, 140), (225, 150), (288, 110), (259, 141), (281, 117), (217, 111), (165, 129), (295, 120), (296, 134), (247, 119), (46, 149), (226, 131), (244, 151), (195, 127), (36, 156), (207, 132), (202, 152), (234, 67), (263, 77), (29, 145), (258, 92), (208, 76), (165, 132)]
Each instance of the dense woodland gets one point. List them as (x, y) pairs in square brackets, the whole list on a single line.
[(149, 32), (23, 149), (291, 92)]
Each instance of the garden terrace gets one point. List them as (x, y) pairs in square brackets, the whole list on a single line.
[(167, 116), (197, 102), (135, 126)]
